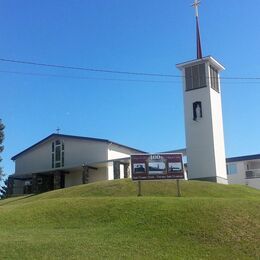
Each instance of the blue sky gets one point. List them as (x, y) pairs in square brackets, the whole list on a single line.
[(143, 36)]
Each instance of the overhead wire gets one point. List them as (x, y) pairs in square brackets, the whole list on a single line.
[(90, 69), (83, 77), (107, 71)]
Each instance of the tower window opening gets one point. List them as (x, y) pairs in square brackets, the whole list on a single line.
[(195, 77), (214, 79)]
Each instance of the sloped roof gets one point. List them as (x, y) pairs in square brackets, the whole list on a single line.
[(183, 151), (73, 137)]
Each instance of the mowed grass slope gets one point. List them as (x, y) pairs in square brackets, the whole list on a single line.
[(107, 220)]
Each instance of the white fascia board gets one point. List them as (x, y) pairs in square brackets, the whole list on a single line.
[(209, 59)]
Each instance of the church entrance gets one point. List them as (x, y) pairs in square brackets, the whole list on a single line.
[(44, 183)]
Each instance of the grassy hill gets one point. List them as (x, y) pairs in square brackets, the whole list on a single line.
[(107, 220)]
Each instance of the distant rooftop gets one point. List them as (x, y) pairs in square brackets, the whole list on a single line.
[(243, 158)]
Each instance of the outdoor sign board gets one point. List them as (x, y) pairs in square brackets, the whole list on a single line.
[(161, 166)]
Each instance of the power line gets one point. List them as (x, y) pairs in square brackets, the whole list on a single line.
[(90, 69), (112, 71), (89, 78), (110, 79)]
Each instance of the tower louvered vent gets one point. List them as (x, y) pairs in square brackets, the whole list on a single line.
[(195, 77)]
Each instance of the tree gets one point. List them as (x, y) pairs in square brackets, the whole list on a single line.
[(2, 127), (4, 189)]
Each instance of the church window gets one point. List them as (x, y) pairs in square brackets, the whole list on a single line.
[(214, 78), (52, 159), (57, 165), (195, 77), (57, 154)]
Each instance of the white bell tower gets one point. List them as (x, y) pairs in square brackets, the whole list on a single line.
[(203, 116)]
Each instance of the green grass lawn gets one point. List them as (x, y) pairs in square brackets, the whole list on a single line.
[(107, 220)]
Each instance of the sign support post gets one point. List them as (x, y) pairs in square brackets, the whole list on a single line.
[(139, 189), (178, 188)]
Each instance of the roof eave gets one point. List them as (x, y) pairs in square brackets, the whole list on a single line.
[(127, 147), (74, 137), (210, 59)]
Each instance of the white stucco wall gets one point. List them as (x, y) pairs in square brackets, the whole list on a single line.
[(239, 177), (76, 152), (205, 138), (218, 134), (254, 183), (98, 175), (79, 151), (121, 171), (37, 159), (110, 170), (199, 135), (116, 152), (75, 177)]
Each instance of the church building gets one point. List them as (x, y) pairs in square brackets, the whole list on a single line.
[(60, 161)]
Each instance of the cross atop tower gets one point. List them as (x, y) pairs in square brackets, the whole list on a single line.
[(196, 5), (199, 49)]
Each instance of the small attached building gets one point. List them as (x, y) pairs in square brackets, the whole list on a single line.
[(60, 161), (244, 170)]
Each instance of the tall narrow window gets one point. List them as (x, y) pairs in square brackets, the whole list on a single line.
[(52, 159), (57, 154)]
